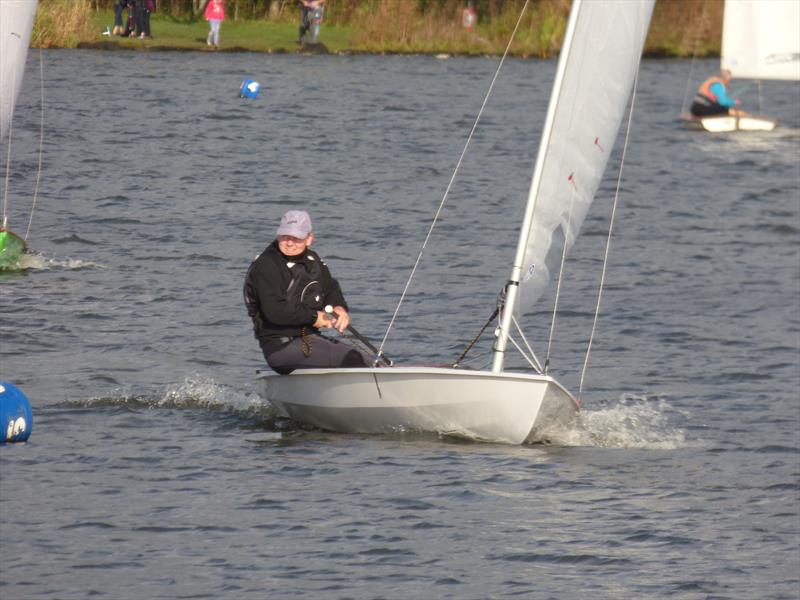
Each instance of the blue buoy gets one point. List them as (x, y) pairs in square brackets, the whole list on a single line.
[(249, 89), (16, 416)]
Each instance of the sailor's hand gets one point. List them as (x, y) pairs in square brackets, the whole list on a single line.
[(324, 320), (341, 319)]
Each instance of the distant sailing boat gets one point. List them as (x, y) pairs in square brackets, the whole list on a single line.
[(760, 40), (596, 71), (16, 24)]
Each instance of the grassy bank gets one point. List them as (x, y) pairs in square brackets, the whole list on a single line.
[(679, 28)]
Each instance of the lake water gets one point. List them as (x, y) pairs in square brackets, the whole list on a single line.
[(156, 470)]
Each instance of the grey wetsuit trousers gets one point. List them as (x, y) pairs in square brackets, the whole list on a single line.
[(313, 352)]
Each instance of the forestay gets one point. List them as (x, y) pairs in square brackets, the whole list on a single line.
[(761, 39), (586, 110), (16, 23)]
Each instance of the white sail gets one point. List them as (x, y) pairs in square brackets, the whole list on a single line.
[(586, 109), (761, 39), (16, 24)]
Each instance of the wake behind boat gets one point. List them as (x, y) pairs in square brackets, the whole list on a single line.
[(596, 72)]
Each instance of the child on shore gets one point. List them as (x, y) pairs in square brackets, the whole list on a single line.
[(215, 15)]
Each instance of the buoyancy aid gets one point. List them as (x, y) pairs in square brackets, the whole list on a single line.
[(251, 300), (304, 288), (705, 88)]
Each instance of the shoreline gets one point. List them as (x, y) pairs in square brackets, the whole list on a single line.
[(669, 38), (321, 49), (112, 46)]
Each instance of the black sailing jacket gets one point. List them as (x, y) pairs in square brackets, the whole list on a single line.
[(283, 293)]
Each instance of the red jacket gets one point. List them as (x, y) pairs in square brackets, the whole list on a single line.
[(215, 10)]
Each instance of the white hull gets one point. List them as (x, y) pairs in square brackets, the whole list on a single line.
[(495, 407), (729, 123)]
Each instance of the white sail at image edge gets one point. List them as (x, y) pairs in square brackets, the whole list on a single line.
[(761, 39), (16, 23)]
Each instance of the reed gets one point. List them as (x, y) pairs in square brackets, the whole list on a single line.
[(62, 23), (686, 28), (403, 26)]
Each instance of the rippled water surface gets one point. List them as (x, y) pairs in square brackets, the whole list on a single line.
[(155, 469)]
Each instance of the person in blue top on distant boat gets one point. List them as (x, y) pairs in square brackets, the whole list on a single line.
[(286, 291), (712, 97)]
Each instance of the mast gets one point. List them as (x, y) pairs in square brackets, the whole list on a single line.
[(512, 288)]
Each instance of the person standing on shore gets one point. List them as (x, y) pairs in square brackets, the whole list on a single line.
[(141, 16), (310, 19), (215, 15), (119, 6)]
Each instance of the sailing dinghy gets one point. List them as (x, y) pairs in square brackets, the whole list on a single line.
[(16, 24), (760, 40), (595, 75)]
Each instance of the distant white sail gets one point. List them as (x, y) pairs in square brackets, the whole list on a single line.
[(16, 24), (761, 39), (588, 106)]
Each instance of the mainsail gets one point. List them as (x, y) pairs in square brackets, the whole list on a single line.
[(596, 70), (761, 39), (16, 23), (587, 108)]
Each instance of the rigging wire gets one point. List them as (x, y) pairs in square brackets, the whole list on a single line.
[(41, 155), (8, 148), (560, 279), (8, 175), (452, 178), (700, 29), (760, 110), (533, 360), (529, 360), (41, 143), (610, 230)]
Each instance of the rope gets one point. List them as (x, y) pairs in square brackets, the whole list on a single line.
[(41, 155), (760, 110), (476, 338), (8, 175), (452, 179), (8, 153), (41, 144), (610, 230), (560, 279), (700, 28)]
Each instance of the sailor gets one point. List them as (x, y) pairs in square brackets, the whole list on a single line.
[(712, 97), (286, 290)]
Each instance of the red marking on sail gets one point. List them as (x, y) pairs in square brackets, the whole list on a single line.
[(571, 179), (597, 143)]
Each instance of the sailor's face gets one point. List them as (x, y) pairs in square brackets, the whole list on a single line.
[(292, 246)]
